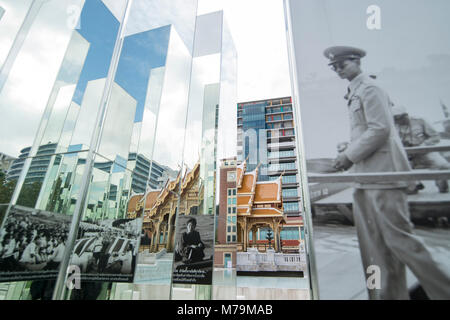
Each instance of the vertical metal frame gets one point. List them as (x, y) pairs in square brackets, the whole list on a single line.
[(306, 204)]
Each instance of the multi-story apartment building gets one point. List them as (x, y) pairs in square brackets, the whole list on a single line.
[(39, 164), (266, 138), (158, 176), (274, 145)]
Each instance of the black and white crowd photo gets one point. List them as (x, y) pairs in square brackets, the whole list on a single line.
[(106, 250), (32, 244)]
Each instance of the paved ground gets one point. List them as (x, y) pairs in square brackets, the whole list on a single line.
[(428, 195), (339, 264)]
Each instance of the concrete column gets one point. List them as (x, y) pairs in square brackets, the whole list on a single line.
[(155, 241), (276, 232), (164, 234), (254, 236), (169, 236), (245, 235)]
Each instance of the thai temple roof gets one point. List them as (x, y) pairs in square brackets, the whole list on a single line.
[(258, 198), (155, 198)]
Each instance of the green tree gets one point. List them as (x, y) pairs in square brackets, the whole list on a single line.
[(54, 197), (29, 194), (269, 238), (6, 191)]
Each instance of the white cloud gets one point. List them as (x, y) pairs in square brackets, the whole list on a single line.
[(25, 94), (173, 106), (257, 27), (145, 15)]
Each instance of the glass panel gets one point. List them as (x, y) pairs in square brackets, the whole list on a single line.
[(199, 158), (266, 160), (12, 16), (21, 112), (154, 69), (52, 181), (168, 154)]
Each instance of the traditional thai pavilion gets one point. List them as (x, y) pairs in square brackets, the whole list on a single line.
[(259, 205), (159, 208)]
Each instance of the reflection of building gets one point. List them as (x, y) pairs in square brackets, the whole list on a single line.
[(160, 209), (260, 212), (39, 164), (226, 234), (266, 135), (158, 176), (259, 205), (210, 124)]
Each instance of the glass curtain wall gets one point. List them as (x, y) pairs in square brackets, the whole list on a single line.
[(114, 96), (210, 137)]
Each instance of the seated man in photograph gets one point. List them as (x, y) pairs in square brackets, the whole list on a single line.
[(190, 248), (416, 132)]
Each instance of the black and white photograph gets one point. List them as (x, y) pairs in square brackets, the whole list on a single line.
[(32, 244), (194, 249), (106, 250), (373, 81)]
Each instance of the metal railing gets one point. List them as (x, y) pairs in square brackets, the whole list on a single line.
[(421, 174)]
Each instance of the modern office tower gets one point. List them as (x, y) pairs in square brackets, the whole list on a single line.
[(39, 165), (266, 136), (141, 174)]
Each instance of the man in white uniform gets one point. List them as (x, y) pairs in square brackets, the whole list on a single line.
[(380, 209)]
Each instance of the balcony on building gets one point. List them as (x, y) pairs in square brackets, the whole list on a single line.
[(281, 156), (287, 168), (281, 145)]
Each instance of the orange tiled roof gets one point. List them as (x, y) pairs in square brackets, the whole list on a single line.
[(266, 211), (133, 201), (151, 199), (242, 210), (267, 192), (251, 192), (243, 200), (247, 183)]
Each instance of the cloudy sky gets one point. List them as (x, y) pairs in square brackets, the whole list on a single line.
[(257, 27)]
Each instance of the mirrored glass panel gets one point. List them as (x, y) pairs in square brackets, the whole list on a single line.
[(12, 17), (34, 74)]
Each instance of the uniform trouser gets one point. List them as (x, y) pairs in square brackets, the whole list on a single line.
[(386, 240)]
